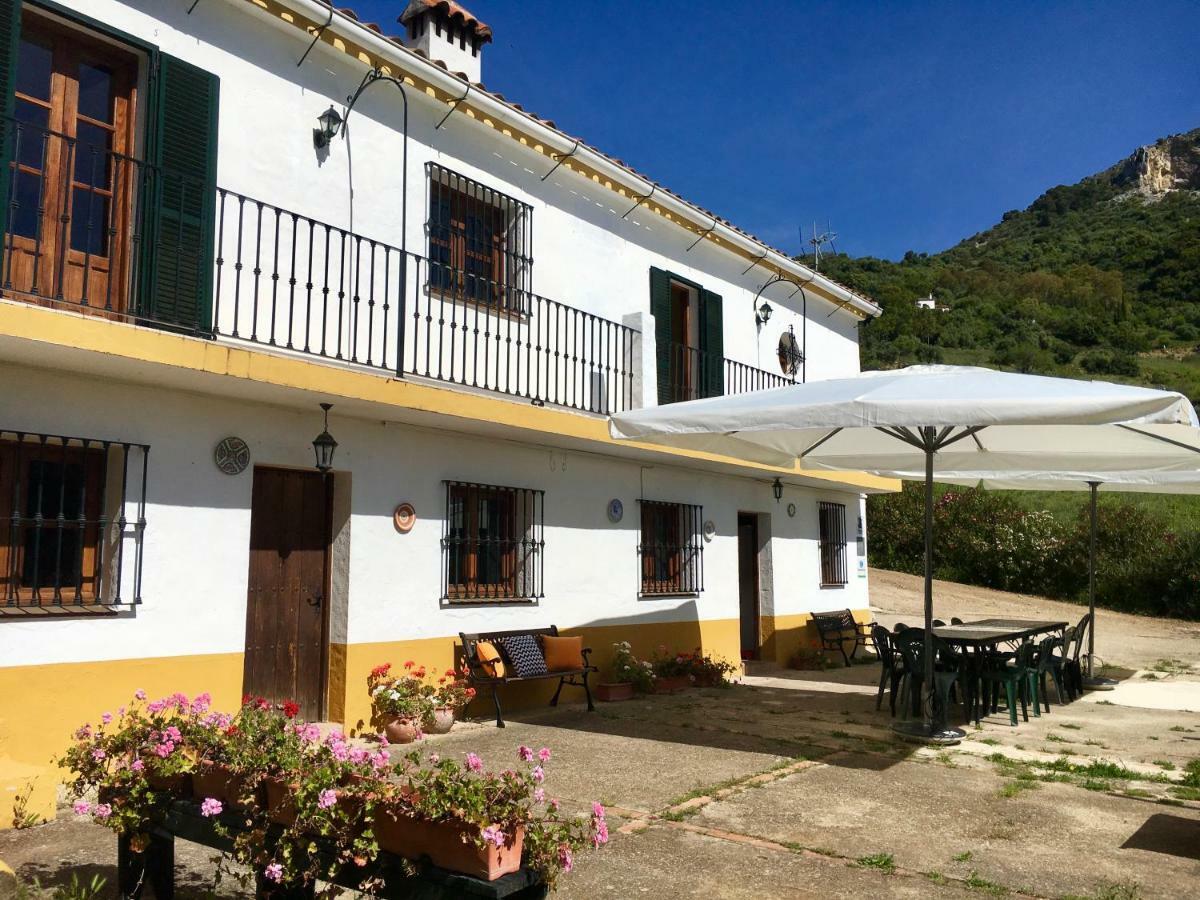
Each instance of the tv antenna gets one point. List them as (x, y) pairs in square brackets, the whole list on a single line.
[(818, 241)]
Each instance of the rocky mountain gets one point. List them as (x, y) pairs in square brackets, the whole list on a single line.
[(1098, 278)]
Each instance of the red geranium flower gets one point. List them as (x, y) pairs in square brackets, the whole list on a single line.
[(381, 669), (291, 708)]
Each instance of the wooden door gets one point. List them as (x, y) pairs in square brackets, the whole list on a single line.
[(748, 583), (288, 585), (71, 179)]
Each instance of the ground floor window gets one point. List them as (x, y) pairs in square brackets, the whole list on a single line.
[(833, 543), (671, 549), (64, 516), (492, 543)]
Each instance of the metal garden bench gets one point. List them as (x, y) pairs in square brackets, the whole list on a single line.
[(838, 628)]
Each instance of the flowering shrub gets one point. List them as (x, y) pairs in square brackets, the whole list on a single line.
[(710, 671), (628, 669), (670, 665), (810, 657), (453, 691)]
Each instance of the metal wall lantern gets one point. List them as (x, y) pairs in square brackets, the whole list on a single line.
[(777, 490), (324, 444), (331, 122), (762, 315)]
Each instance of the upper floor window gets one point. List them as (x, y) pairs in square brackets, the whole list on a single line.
[(107, 172), (479, 243), (688, 338), (671, 549), (62, 533), (492, 542), (833, 543)]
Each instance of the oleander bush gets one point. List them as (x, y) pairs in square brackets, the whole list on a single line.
[(987, 538)]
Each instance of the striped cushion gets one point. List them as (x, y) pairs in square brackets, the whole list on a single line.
[(524, 654)]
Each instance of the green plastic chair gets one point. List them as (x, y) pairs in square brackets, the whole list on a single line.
[(1019, 680), (910, 643), (1050, 663)]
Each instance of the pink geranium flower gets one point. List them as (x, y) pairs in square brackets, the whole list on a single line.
[(565, 859), (539, 795), (526, 753), (474, 763), (98, 754), (274, 872), (139, 694), (544, 755), (493, 835), (210, 807), (597, 810), (137, 765), (105, 718), (326, 798), (102, 811), (538, 775), (82, 807)]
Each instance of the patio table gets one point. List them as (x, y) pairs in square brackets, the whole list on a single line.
[(989, 632)]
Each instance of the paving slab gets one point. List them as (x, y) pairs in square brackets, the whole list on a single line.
[(665, 863), (1052, 840)]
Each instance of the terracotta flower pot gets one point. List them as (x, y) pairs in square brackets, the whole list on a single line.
[(402, 730), (281, 806), (220, 783), (613, 691), (448, 845), (178, 785), (443, 720), (671, 684)]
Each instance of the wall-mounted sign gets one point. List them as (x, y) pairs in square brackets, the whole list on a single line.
[(404, 518), (231, 456), (616, 510)]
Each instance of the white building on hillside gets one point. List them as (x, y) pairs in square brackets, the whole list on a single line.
[(203, 242)]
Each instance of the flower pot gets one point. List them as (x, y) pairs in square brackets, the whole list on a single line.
[(402, 731), (281, 806), (448, 845), (442, 721), (611, 692), (671, 684), (220, 783), (178, 785)]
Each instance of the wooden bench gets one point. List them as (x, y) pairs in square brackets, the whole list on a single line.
[(403, 880), (838, 628), (479, 676)]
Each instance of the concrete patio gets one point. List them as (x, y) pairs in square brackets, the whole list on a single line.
[(791, 785)]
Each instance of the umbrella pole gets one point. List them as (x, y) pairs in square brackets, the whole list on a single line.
[(1091, 681)]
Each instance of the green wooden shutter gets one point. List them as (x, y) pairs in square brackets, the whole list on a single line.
[(660, 308), (179, 208), (712, 345), (10, 39)]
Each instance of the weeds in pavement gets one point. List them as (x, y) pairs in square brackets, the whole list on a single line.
[(884, 862)]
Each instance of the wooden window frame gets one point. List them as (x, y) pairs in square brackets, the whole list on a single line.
[(469, 549), (671, 535), (98, 279), (491, 270), (831, 522)]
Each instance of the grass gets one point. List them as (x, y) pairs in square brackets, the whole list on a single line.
[(1016, 787), (1186, 793), (1178, 728), (884, 862), (1172, 667), (936, 877), (965, 856), (1165, 764), (1059, 739), (976, 883), (991, 742)]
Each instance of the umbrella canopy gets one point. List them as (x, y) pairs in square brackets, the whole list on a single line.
[(936, 418)]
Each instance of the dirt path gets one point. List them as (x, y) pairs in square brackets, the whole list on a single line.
[(1135, 642)]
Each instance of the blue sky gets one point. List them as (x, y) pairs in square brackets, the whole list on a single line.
[(904, 125)]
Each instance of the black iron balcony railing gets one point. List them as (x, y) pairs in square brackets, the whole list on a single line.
[(689, 373)]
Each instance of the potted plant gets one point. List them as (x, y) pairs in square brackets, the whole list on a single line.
[(239, 756), (629, 675), (452, 694), (482, 823), (810, 658), (710, 671), (400, 705), (672, 671)]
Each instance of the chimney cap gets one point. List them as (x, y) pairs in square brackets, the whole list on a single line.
[(450, 9)]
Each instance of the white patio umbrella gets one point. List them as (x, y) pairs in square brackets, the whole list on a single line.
[(935, 418), (1093, 483)]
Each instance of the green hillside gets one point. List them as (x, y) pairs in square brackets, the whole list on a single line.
[(1096, 279)]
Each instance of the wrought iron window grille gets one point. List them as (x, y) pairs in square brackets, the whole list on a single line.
[(493, 543), (670, 548), (832, 519), (73, 516)]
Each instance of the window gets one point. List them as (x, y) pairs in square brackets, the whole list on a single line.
[(70, 179), (96, 212), (479, 243), (492, 543), (65, 518), (833, 543), (688, 338), (671, 550)]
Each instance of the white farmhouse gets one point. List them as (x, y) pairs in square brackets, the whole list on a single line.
[(205, 240)]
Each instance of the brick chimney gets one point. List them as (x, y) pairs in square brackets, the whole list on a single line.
[(443, 30)]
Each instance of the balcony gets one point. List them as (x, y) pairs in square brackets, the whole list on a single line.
[(113, 236)]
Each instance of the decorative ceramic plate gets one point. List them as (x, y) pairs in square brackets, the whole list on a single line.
[(231, 456), (404, 518)]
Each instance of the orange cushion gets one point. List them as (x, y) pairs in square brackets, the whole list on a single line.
[(489, 659), (562, 653)]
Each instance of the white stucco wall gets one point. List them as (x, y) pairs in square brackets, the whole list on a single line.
[(585, 254), (197, 536)]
